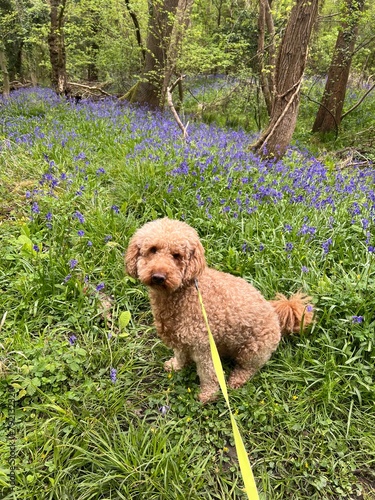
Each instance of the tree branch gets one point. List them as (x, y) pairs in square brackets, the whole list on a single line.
[(137, 28), (359, 102), (172, 108)]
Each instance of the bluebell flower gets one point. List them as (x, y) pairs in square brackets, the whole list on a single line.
[(79, 216), (115, 209), (164, 410), (305, 269), (357, 319), (36, 248), (326, 244), (100, 286), (305, 229), (113, 374), (365, 223), (289, 247), (72, 339), (81, 232), (35, 208), (73, 263)]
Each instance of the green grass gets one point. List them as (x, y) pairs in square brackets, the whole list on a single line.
[(76, 182)]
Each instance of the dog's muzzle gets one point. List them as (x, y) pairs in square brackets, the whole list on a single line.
[(158, 279)]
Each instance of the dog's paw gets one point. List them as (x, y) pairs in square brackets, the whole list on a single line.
[(172, 365), (208, 397)]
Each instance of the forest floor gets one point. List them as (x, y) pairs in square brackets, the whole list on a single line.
[(87, 411)]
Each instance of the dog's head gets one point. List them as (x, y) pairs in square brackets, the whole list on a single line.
[(165, 254)]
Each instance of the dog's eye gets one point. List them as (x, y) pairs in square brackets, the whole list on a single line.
[(177, 256), (153, 250)]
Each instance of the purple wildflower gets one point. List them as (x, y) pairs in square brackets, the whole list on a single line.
[(115, 209), (36, 248), (100, 286), (79, 216), (164, 410), (72, 339), (113, 374), (357, 319), (35, 208), (73, 263), (305, 269), (326, 244), (80, 232)]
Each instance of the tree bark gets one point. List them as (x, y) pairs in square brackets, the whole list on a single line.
[(4, 70), (266, 71), (329, 114), (290, 66), (179, 27), (167, 23), (57, 47)]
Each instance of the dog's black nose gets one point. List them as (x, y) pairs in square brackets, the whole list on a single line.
[(158, 279)]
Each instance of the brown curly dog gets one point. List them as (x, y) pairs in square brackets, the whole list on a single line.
[(167, 256)]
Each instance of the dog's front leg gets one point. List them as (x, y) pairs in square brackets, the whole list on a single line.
[(207, 376), (180, 359)]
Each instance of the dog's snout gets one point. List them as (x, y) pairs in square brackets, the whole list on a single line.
[(158, 278)]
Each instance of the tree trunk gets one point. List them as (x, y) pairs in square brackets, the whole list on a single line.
[(57, 47), (328, 117), (4, 70), (180, 25), (167, 23), (266, 71), (290, 66)]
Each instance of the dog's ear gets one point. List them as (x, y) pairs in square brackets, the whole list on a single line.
[(196, 264), (131, 257)]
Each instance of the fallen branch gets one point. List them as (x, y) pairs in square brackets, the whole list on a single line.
[(90, 88), (172, 108)]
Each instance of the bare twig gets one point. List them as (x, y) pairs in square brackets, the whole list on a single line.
[(172, 108), (328, 111), (359, 102), (265, 137)]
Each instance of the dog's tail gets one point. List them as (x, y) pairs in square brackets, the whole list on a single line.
[(294, 313)]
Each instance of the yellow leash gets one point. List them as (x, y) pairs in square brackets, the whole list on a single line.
[(243, 459)]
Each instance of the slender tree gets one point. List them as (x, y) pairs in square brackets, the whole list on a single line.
[(167, 23), (266, 71), (56, 45), (329, 114), (4, 71), (290, 66)]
